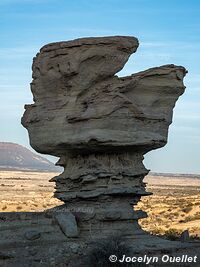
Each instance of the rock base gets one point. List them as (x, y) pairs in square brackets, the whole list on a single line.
[(36, 239)]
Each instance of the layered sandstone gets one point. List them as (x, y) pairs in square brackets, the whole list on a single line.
[(100, 125)]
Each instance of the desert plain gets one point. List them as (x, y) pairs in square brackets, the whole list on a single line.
[(173, 208)]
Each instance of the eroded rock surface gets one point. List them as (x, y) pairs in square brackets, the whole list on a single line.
[(100, 126), (80, 104)]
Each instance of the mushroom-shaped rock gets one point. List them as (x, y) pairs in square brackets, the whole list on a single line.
[(100, 126)]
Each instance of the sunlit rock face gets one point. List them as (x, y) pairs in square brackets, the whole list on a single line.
[(100, 126)]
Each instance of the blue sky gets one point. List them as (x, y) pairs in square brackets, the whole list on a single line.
[(168, 31)]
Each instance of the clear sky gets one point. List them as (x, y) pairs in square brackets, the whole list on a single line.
[(169, 32)]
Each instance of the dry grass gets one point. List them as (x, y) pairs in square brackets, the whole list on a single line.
[(173, 208), (26, 191)]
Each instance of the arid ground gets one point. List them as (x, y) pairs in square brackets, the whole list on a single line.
[(173, 207)]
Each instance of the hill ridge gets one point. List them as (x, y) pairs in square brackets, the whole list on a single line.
[(18, 157)]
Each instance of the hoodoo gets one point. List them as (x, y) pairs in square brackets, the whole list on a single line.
[(100, 126)]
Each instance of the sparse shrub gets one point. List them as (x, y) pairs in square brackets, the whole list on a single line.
[(19, 207), (172, 234), (188, 219), (196, 216), (187, 209), (176, 214), (157, 231), (4, 207), (99, 255), (162, 212)]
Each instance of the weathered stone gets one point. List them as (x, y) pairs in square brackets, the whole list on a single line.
[(32, 251), (111, 215), (32, 234), (185, 236), (5, 256), (67, 223), (74, 247), (113, 113), (100, 126)]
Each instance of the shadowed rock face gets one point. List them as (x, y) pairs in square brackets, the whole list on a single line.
[(100, 126)]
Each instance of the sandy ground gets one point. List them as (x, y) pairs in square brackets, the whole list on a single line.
[(26, 191), (173, 207)]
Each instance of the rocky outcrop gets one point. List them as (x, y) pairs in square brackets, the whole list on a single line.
[(100, 126), (35, 239)]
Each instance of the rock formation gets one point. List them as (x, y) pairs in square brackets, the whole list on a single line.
[(100, 126)]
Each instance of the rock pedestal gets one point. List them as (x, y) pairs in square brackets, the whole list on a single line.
[(100, 126), (100, 189)]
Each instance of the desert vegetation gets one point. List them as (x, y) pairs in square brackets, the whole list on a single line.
[(26, 191), (173, 207)]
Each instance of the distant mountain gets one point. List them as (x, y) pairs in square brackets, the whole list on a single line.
[(17, 157), (177, 175)]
